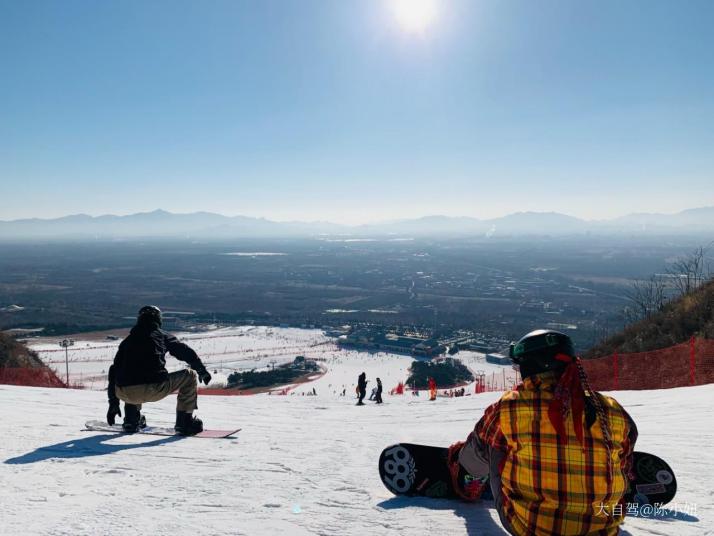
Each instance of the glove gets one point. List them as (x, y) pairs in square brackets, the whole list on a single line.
[(113, 412), (204, 376)]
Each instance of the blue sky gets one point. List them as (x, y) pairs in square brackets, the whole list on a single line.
[(332, 110)]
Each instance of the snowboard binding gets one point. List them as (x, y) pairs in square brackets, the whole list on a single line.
[(133, 419)]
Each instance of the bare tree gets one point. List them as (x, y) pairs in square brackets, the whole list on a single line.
[(647, 297), (689, 272), (630, 315), (685, 275)]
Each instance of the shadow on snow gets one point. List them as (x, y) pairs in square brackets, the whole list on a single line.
[(666, 514), (478, 517), (87, 446), (479, 520)]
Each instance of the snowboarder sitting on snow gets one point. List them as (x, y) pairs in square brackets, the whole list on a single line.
[(557, 455), (139, 375)]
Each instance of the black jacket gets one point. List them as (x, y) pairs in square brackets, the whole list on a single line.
[(141, 357), (362, 382)]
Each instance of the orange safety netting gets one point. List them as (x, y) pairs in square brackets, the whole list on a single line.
[(690, 363), (220, 392), (33, 377)]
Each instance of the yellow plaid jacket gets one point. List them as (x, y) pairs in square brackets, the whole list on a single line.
[(550, 487)]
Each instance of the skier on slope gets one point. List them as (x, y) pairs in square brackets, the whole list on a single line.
[(361, 388), (139, 375), (432, 388), (557, 455), (378, 393)]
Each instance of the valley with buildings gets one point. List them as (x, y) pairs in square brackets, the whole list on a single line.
[(477, 291)]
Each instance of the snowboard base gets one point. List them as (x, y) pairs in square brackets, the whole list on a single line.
[(654, 482), (101, 426), (420, 470), (416, 470)]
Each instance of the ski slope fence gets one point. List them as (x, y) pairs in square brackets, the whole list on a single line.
[(681, 365), (689, 363)]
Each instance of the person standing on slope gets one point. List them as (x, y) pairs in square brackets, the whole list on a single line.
[(378, 394), (557, 455), (361, 388), (432, 388), (139, 375)]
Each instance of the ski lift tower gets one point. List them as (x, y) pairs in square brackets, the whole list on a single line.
[(66, 343)]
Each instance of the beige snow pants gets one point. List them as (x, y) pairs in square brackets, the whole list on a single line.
[(185, 381)]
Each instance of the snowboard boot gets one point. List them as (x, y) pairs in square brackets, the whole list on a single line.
[(187, 424), (466, 486), (133, 419)]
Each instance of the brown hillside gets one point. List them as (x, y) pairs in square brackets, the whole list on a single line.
[(21, 366), (16, 354), (689, 316)]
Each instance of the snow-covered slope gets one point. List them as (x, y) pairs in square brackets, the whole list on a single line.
[(242, 348), (224, 350), (301, 465)]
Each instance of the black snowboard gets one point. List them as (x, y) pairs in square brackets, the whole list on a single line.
[(421, 470), (654, 483)]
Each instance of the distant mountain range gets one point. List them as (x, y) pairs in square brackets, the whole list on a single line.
[(204, 225)]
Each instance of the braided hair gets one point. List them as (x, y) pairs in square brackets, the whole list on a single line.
[(596, 410)]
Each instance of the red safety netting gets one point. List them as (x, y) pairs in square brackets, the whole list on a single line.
[(33, 377), (690, 363), (398, 390)]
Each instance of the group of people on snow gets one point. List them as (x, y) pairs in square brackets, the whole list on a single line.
[(362, 390), (551, 451), (455, 393)]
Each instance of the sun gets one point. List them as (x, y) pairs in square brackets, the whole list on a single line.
[(414, 16)]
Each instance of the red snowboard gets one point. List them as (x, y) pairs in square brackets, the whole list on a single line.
[(101, 426)]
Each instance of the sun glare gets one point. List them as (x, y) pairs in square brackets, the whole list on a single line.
[(414, 15)]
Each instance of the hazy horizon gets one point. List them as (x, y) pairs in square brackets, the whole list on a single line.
[(356, 112), (357, 223)]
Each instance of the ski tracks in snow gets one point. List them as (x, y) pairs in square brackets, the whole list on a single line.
[(300, 465)]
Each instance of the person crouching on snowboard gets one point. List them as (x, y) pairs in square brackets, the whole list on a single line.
[(556, 454), (139, 375)]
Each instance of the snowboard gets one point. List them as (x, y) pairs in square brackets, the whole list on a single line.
[(420, 470), (101, 426)]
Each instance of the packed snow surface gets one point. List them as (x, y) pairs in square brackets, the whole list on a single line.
[(300, 465)]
